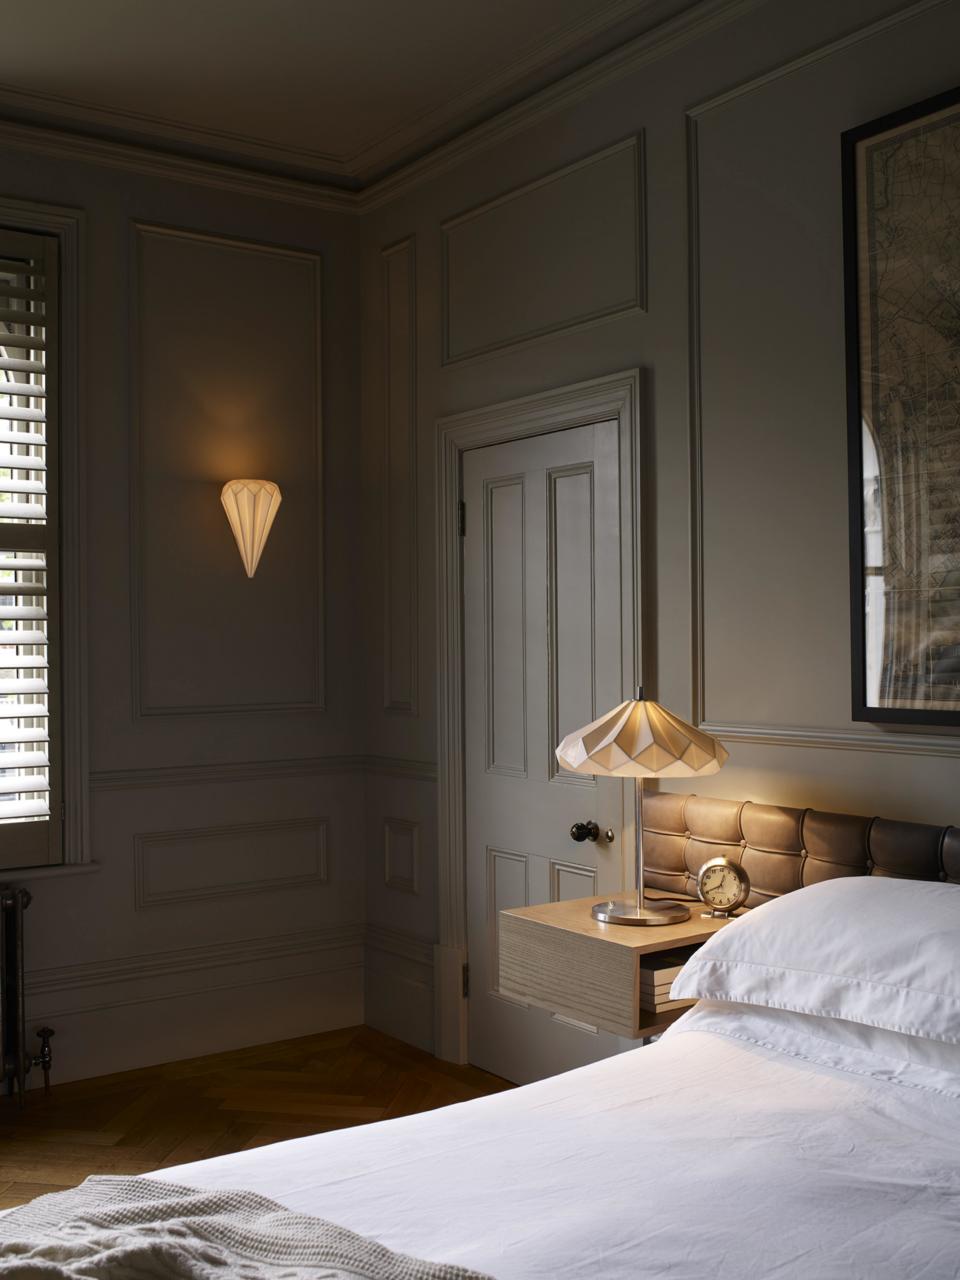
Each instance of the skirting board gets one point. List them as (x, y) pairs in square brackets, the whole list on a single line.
[(131, 1012), (98, 1042), (139, 1011), (398, 985), (119, 1038)]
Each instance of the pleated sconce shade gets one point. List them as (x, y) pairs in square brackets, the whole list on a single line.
[(251, 506), (641, 739)]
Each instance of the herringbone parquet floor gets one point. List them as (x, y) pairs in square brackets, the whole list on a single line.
[(162, 1116)]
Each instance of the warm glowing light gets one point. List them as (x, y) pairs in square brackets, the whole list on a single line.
[(641, 739), (251, 506)]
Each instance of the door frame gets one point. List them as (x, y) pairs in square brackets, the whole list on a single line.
[(615, 396)]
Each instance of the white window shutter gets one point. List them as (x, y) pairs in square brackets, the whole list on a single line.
[(30, 765)]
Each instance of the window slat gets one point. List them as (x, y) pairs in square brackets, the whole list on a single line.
[(19, 809), (14, 612), (8, 388), (21, 685), (36, 438), (29, 782), (21, 462), (20, 510), (18, 736), (9, 636), (13, 413), (29, 342), (24, 760)]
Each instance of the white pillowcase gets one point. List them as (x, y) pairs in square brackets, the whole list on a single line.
[(832, 1042), (872, 950)]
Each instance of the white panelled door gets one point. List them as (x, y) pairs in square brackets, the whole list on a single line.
[(544, 641)]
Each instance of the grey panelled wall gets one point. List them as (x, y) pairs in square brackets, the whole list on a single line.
[(230, 382), (402, 570), (733, 311), (223, 903), (503, 280)]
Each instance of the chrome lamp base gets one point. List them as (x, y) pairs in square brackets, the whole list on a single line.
[(654, 911)]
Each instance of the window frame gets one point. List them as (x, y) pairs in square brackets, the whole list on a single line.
[(32, 840), (67, 841)]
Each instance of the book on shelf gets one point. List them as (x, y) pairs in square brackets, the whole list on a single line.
[(664, 1006), (657, 972)]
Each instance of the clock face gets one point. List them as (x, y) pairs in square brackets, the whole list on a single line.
[(721, 885)]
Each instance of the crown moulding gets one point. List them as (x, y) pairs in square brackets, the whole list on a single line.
[(369, 191)]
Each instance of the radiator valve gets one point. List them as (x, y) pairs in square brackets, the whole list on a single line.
[(44, 1058)]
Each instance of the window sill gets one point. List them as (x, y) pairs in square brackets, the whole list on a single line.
[(50, 873)]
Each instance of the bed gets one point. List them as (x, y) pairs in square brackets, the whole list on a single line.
[(738, 1146), (801, 1121)]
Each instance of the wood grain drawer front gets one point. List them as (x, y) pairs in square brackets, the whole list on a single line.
[(569, 973)]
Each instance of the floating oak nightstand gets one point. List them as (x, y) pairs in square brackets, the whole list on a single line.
[(557, 957)]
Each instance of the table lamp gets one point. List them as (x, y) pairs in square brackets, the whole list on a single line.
[(640, 739)]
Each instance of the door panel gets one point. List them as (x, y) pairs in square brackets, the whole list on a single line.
[(543, 638), (570, 576), (506, 647)]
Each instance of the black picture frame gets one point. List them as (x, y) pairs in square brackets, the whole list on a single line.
[(851, 141)]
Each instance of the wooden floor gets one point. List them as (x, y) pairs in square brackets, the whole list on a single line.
[(162, 1116)]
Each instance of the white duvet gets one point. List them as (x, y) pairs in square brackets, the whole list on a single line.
[(746, 1143)]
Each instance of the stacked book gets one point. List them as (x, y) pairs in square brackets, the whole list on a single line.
[(657, 972)]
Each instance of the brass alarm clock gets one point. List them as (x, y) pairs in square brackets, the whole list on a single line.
[(723, 886)]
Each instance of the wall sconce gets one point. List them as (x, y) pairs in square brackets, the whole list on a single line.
[(251, 506)]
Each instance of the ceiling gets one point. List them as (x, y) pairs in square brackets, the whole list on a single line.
[(342, 91)]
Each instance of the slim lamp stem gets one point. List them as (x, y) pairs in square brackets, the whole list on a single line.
[(638, 823), (632, 909)]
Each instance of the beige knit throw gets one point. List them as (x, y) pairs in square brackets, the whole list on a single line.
[(137, 1229)]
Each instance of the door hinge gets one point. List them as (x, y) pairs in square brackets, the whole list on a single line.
[(462, 518), (466, 981)]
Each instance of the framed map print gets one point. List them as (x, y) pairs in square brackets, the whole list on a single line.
[(902, 275)]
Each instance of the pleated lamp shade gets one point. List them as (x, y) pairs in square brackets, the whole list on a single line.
[(251, 506), (641, 739)]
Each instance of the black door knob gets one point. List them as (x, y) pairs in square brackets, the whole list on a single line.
[(581, 831)]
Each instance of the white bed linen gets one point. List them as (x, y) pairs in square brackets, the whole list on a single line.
[(743, 1144), (870, 949)]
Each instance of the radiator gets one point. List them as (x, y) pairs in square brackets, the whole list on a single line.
[(15, 1058)]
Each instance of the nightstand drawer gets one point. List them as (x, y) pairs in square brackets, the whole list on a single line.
[(557, 957)]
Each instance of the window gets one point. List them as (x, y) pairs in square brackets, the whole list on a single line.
[(31, 801)]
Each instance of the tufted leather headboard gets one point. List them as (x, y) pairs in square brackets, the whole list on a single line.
[(784, 849)]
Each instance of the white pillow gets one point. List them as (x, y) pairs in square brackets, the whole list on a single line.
[(882, 952)]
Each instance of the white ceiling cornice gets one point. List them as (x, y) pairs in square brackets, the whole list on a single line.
[(356, 168), (460, 113), (63, 145), (659, 42), (157, 131)]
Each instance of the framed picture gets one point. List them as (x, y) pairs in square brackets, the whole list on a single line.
[(901, 177)]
